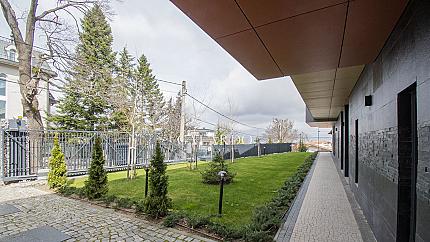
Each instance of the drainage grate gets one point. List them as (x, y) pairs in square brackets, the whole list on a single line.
[(41, 234)]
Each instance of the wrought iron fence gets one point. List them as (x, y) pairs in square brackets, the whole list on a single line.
[(26, 153)]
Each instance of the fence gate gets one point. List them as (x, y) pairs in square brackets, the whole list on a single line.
[(17, 156)]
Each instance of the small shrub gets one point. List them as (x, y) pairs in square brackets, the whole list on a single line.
[(140, 206), (108, 199), (210, 175), (197, 221), (57, 167), (157, 203), (68, 190), (97, 184), (172, 219), (122, 202)]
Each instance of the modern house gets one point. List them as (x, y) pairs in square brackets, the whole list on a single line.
[(10, 96), (362, 68), (200, 136)]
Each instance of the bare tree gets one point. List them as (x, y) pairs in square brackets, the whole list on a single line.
[(281, 131), (54, 28)]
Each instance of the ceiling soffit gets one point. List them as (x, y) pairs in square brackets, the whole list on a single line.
[(322, 44)]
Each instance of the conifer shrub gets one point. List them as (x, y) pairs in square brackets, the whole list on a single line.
[(96, 185), (210, 175), (57, 167), (157, 203)]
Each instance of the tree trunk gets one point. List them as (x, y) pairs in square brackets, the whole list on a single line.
[(28, 88)]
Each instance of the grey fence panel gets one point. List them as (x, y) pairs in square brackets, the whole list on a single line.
[(246, 150), (26, 153)]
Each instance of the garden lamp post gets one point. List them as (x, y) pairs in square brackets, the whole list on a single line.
[(146, 179), (221, 190)]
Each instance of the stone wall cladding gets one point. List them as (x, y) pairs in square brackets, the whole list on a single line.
[(404, 59), (423, 177)]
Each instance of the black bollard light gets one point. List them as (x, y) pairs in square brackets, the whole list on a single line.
[(221, 190), (146, 179)]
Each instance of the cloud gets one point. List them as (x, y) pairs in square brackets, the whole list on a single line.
[(179, 50)]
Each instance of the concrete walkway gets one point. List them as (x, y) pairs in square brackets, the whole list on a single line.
[(325, 213), (30, 214)]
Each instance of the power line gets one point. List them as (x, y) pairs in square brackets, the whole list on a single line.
[(174, 83), (206, 122), (49, 89), (221, 114)]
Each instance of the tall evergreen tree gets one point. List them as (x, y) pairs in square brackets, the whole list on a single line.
[(90, 80), (96, 185), (153, 97), (123, 99), (171, 126), (157, 203)]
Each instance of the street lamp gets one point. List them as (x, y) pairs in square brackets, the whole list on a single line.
[(146, 178), (222, 174), (318, 140)]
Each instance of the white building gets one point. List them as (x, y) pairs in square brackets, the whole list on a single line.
[(10, 97), (200, 136)]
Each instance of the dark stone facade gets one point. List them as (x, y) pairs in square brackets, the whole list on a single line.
[(404, 60)]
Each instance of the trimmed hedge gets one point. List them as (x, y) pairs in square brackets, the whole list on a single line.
[(265, 220)]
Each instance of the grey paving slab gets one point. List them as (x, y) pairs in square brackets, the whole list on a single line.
[(41, 234), (326, 213), (80, 220), (7, 209), (289, 220)]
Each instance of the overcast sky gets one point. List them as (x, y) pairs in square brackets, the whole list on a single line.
[(179, 50)]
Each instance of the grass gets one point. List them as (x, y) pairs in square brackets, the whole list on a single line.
[(256, 182)]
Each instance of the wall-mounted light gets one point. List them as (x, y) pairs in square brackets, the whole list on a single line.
[(368, 100)]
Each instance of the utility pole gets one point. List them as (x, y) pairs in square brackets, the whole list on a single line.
[(232, 147), (318, 139), (258, 147), (182, 127)]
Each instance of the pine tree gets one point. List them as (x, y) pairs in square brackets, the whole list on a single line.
[(210, 175), (86, 99), (157, 203), (96, 185), (57, 167), (153, 98), (123, 99), (171, 126)]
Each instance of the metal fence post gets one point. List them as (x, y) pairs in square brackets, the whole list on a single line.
[(2, 156)]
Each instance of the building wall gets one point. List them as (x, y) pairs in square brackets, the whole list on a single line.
[(13, 95), (405, 59)]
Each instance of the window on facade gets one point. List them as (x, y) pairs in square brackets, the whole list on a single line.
[(2, 109), (12, 55), (2, 86)]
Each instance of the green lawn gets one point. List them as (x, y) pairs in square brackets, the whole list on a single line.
[(256, 182)]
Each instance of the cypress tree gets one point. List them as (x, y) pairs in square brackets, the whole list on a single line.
[(86, 102), (97, 183), (157, 203), (57, 167)]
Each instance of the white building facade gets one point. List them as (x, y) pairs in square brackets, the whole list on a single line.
[(10, 96)]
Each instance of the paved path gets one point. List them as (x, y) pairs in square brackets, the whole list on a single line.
[(326, 213), (79, 220)]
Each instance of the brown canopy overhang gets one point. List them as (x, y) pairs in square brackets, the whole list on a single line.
[(322, 44)]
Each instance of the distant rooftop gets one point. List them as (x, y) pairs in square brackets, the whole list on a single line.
[(9, 54)]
